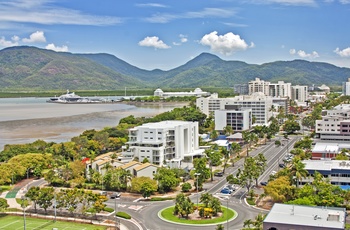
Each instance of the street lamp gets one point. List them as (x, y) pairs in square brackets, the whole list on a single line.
[(24, 212), (197, 174), (117, 225), (227, 212)]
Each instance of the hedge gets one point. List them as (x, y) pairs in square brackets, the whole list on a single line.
[(123, 215)]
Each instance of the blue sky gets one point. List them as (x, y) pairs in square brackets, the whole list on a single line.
[(166, 34)]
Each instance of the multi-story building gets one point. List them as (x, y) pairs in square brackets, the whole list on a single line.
[(257, 102), (166, 142), (280, 89), (346, 87), (259, 86), (300, 93), (239, 120), (241, 89), (335, 124)]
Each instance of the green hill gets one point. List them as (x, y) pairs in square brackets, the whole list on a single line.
[(24, 68)]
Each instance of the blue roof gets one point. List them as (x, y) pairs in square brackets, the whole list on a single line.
[(345, 187)]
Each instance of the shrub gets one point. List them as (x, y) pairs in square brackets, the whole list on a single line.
[(123, 215), (185, 187), (161, 198), (108, 209)]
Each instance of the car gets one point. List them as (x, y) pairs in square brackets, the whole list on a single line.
[(219, 174), (281, 165), (229, 186), (225, 191), (263, 183), (103, 193), (114, 195), (273, 173)]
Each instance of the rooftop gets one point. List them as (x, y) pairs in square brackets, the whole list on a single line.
[(327, 217)]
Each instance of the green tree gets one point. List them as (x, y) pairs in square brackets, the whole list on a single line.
[(235, 149), (185, 187), (45, 198), (219, 227), (298, 170), (183, 205), (226, 154), (200, 165), (167, 179), (228, 130), (3, 204), (291, 126), (137, 182), (147, 189), (33, 194), (246, 176)]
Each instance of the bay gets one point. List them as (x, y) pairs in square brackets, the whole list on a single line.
[(24, 120)]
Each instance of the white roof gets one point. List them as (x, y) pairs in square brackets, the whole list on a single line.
[(222, 143), (307, 216), (235, 135), (321, 147), (326, 165), (165, 124)]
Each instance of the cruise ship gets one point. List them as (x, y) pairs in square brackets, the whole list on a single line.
[(73, 98)]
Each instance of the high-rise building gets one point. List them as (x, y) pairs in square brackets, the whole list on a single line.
[(300, 93), (238, 120), (259, 86)]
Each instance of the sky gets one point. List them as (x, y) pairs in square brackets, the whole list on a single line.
[(166, 34)]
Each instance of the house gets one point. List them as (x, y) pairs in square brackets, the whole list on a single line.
[(102, 161), (146, 169), (288, 216), (130, 166), (236, 137)]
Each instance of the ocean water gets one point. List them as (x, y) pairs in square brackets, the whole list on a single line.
[(24, 120)]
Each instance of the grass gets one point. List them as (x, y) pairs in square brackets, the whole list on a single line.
[(4, 188), (16, 223), (167, 214)]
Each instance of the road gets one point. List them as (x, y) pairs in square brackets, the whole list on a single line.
[(146, 213)]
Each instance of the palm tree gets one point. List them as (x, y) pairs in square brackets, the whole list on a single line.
[(246, 135), (235, 148), (226, 155), (215, 205), (219, 227), (228, 130), (205, 199), (298, 170)]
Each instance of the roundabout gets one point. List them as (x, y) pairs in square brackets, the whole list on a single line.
[(228, 214)]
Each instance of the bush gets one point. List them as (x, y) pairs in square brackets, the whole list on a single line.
[(123, 215), (108, 209), (185, 187)]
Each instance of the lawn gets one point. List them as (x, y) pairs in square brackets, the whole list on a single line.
[(8, 222), (229, 214)]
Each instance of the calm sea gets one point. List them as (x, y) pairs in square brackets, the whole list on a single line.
[(24, 120)]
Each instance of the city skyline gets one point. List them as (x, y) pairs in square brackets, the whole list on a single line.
[(164, 35)]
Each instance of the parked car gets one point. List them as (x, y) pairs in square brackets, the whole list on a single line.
[(229, 186), (103, 193), (281, 165), (273, 173), (219, 174), (263, 183), (225, 191)]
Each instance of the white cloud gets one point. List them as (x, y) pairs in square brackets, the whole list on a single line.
[(183, 39), (48, 13), (234, 24), (151, 5), (343, 53), (52, 46), (303, 54), (344, 1), (205, 13), (286, 2), (224, 44), (37, 36), (9, 43), (153, 42)]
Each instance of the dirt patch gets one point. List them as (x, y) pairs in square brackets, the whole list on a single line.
[(265, 203)]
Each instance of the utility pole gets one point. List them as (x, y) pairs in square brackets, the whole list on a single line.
[(24, 212)]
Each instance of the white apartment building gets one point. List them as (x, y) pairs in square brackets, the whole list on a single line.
[(300, 93), (257, 102), (335, 124), (346, 87), (165, 142), (197, 93), (238, 120), (259, 86), (280, 89)]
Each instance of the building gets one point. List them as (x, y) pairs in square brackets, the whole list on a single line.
[(257, 102), (102, 162), (280, 89), (197, 93), (241, 89), (165, 142), (239, 120), (346, 87), (146, 169), (337, 171), (258, 85), (335, 124), (300, 93), (323, 150), (288, 216)]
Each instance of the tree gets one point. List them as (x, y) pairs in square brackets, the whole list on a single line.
[(261, 165), (228, 130), (147, 189), (33, 194), (167, 179), (3, 204), (235, 149), (200, 165), (226, 155), (137, 182), (185, 187), (298, 170), (290, 126), (45, 198), (205, 199), (219, 227), (246, 176), (183, 205), (280, 189)]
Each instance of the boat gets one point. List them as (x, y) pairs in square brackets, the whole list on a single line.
[(72, 98)]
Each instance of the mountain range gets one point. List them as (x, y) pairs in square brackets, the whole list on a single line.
[(31, 68)]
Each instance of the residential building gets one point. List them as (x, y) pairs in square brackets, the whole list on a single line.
[(289, 216), (336, 171), (130, 166), (197, 93), (258, 85), (335, 124), (146, 169), (257, 102), (102, 162), (280, 89), (165, 142), (236, 137), (300, 93), (346, 87), (238, 120)]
